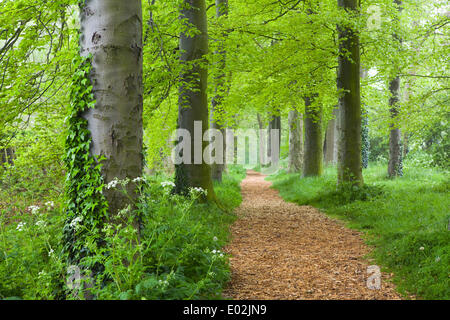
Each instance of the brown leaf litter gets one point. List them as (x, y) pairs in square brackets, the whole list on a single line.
[(282, 251)]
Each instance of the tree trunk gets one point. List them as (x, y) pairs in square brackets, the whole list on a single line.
[(7, 156), (331, 140), (349, 155), (313, 153), (395, 167), (295, 141), (262, 158), (272, 154), (193, 100), (365, 139), (218, 168), (112, 32)]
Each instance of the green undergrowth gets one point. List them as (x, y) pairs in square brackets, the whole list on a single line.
[(178, 256), (406, 220)]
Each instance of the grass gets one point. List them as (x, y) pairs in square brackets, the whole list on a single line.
[(405, 220)]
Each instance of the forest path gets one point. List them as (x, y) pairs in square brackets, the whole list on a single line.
[(283, 251)]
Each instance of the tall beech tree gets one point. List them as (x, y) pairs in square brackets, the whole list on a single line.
[(218, 168), (313, 152), (111, 32), (331, 140), (395, 166), (365, 138), (193, 100), (348, 83), (262, 156), (274, 124), (295, 121), (104, 127)]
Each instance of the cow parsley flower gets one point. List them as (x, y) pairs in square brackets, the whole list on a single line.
[(163, 283), (50, 205), (217, 253), (198, 191), (138, 179), (75, 222), (20, 226), (41, 224), (124, 211), (34, 209), (112, 184), (165, 184)]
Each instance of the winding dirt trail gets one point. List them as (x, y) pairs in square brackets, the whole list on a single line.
[(283, 251)]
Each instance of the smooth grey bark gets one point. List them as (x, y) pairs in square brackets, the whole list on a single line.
[(348, 83), (230, 147), (111, 31), (218, 168), (313, 150), (274, 124), (331, 140), (365, 139), (395, 166), (262, 158), (295, 121), (406, 134), (193, 100)]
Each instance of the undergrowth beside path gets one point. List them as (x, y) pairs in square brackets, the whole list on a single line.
[(178, 256)]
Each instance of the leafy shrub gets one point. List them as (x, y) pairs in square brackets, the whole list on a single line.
[(178, 255), (347, 193)]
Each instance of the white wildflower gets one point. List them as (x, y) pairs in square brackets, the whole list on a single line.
[(421, 248), (50, 204), (217, 253), (112, 184), (215, 239), (124, 211), (41, 224), (163, 283), (198, 190), (138, 179), (75, 222), (107, 228), (20, 226), (34, 209), (50, 253), (167, 184)]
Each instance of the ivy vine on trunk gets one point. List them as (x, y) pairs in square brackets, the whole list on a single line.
[(86, 206)]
